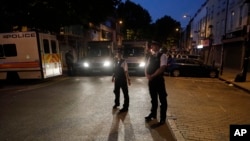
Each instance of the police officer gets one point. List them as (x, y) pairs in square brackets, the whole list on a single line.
[(154, 72), (70, 62), (121, 80)]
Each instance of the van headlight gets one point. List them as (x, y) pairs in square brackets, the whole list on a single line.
[(86, 64), (106, 63), (142, 64)]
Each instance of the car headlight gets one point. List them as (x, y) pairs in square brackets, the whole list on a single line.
[(86, 64), (106, 63), (142, 64)]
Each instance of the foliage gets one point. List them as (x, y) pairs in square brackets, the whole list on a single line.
[(164, 31), (135, 19), (52, 14)]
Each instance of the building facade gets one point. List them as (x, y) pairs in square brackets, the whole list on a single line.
[(76, 37), (219, 32)]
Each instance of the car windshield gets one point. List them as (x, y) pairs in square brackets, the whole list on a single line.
[(131, 51)]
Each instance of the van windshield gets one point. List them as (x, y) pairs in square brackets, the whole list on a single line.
[(133, 51), (98, 52)]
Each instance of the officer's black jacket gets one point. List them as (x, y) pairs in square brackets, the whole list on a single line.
[(154, 63), (119, 72)]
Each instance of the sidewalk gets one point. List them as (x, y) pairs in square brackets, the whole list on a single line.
[(205, 113), (229, 75)]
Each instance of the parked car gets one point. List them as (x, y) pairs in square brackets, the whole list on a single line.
[(194, 56), (191, 56), (191, 67)]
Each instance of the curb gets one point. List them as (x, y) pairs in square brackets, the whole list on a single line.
[(175, 131), (235, 84)]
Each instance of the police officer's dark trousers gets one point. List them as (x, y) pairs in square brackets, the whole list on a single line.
[(121, 84), (157, 88), (70, 69)]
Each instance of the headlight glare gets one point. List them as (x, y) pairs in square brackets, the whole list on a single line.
[(106, 63), (86, 64), (142, 64)]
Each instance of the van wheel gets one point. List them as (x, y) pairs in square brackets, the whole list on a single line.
[(176, 73)]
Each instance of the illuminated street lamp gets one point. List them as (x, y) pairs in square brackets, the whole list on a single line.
[(178, 30), (118, 30), (188, 40), (187, 16)]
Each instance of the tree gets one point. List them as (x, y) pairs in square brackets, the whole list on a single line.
[(136, 20), (52, 14), (164, 31)]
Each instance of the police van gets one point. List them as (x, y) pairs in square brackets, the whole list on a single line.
[(134, 51), (98, 59), (29, 55)]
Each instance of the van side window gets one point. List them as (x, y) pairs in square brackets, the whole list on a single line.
[(8, 50), (46, 46), (53, 46), (1, 51)]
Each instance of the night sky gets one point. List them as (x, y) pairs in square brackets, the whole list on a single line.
[(173, 8)]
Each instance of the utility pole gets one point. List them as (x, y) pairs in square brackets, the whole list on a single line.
[(187, 40), (179, 30), (211, 49)]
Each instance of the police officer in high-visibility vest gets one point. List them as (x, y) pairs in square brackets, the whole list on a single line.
[(121, 80), (154, 72)]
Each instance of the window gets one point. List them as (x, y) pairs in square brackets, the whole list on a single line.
[(1, 51), (53, 46), (98, 52), (8, 50), (232, 19), (240, 17), (131, 51), (46, 46)]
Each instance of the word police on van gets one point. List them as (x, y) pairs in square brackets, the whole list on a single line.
[(20, 35)]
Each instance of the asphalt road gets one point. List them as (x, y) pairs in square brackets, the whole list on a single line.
[(80, 109), (76, 109)]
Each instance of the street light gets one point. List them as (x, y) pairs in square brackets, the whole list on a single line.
[(188, 40), (178, 30), (119, 31), (187, 16)]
